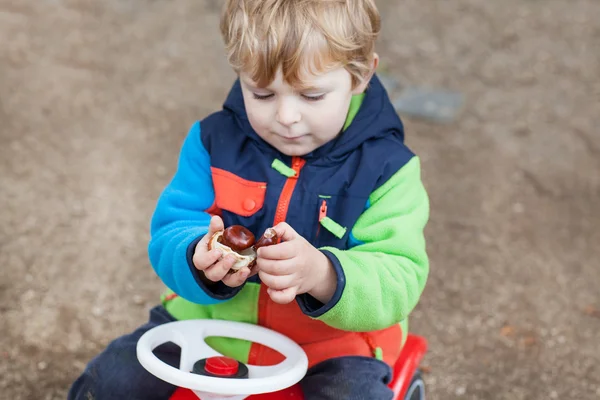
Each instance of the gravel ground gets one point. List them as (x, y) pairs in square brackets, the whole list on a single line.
[(96, 97)]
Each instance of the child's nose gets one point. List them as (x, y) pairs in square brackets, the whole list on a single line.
[(287, 113)]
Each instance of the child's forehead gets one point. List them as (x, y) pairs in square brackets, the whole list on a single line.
[(302, 70), (306, 79)]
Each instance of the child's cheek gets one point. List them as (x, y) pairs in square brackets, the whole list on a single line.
[(257, 119)]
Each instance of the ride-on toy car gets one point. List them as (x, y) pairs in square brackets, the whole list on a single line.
[(216, 377)]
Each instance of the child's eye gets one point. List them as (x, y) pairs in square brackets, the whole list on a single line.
[(262, 96), (313, 98)]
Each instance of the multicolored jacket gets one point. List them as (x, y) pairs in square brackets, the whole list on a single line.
[(359, 199)]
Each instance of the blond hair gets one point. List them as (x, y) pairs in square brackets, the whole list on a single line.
[(300, 36)]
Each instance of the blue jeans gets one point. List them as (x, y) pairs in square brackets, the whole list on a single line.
[(116, 373)]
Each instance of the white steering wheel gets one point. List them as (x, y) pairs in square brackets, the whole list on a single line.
[(190, 335)]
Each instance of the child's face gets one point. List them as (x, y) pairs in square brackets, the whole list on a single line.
[(297, 122)]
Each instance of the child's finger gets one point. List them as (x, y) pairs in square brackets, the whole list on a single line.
[(276, 282), (218, 271), (237, 278), (215, 225), (281, 251), (202, 259), (282, 296), (285, 232), (276, 267)]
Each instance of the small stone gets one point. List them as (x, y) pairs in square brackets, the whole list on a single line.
[(430, 106), (78, 209), (28, 295), (518, 208), (42, 365), (434, 105), (138, 300), (461, 390)]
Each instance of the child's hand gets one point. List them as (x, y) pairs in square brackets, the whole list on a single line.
[(294, 267), (212, 265)]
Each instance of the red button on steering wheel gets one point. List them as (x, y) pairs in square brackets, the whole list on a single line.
[(222, 366)]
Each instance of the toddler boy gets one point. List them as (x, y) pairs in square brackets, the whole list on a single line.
[(308, 143)]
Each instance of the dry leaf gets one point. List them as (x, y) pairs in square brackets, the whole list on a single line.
[(529, 341), (507, 330), (425, 369), (591, 311)]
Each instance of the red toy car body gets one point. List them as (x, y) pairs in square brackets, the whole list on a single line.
[(407, 383)]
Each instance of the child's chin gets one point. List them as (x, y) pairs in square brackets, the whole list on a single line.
[(295, 153), (294, 150)]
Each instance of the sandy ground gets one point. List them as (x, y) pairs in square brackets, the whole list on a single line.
[(96, 97)]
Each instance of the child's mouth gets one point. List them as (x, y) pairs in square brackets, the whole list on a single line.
[(293, 139)]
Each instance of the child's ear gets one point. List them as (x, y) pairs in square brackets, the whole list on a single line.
[(362, 86)]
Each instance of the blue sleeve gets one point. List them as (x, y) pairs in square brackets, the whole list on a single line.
[(180, 221)]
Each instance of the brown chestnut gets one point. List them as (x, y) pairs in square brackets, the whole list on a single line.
[(238, 238), (267, 239), (239, 242)]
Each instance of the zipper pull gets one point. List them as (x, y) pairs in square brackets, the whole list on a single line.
[(297, 163), (323, 210)]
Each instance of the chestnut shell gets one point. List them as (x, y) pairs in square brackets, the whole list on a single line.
[(239, 242)]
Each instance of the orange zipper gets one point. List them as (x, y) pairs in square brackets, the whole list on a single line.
[(280, 215), (288, 189), (322, 214)]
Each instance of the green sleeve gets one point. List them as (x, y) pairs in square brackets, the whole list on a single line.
[(386, 273)]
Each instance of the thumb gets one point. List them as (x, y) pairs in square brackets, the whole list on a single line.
[(285, 232), (215, 225), (284, 296)]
